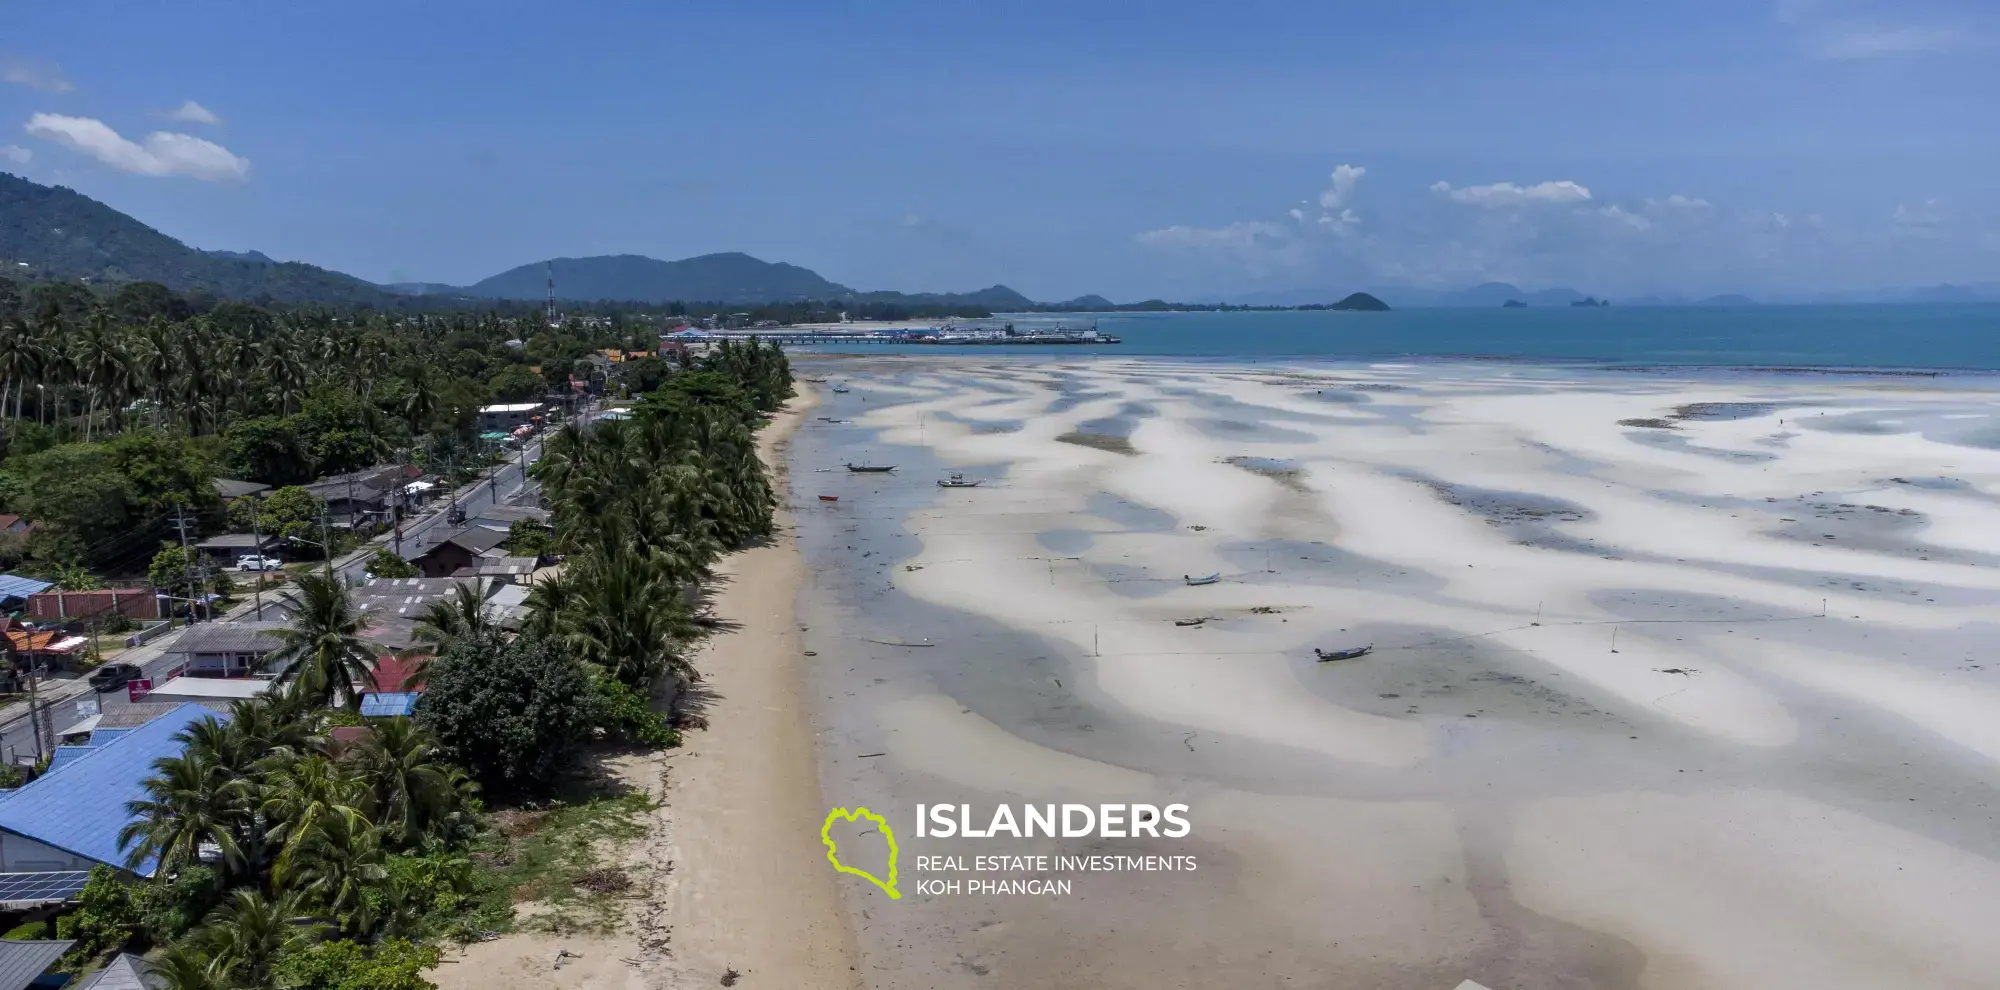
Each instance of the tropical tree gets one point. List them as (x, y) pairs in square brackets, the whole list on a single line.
[(301, 792), (324, 641), (460, 615), (191, 801), (411, 787), (249, 934)]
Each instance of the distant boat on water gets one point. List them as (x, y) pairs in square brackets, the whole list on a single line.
[(1211, 579), (871, 468), (829, 498), (958, 480), (841, 390)]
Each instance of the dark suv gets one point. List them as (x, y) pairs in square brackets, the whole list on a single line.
[(113, 676)]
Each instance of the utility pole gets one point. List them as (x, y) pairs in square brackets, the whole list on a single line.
[(257, 534), (325, 541), (34, 700), (180, 523)]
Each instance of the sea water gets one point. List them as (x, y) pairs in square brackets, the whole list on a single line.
[(1929, 336)]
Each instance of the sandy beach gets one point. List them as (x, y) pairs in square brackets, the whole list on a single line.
[(1676, 682), (729, 879)]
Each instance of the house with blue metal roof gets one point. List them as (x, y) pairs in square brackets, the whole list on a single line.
[(15, 589), (68, 819)]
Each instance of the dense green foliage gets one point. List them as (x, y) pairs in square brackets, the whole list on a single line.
[(515, 714), (643, 507)]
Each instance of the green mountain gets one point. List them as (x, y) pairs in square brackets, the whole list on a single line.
[(721, 278), (62, 234), (1361, 302)]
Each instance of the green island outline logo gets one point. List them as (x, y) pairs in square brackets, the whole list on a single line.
[(833, 850)]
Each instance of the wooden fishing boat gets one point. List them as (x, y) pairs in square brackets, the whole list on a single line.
[(829, 498), (1191, 622), (841, 390), (871, 468), (1347, 654), (957, 480), (1211, 579)]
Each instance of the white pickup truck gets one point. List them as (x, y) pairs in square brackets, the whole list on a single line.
[(256, 563)]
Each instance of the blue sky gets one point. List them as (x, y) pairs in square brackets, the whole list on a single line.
[(1132, 149)]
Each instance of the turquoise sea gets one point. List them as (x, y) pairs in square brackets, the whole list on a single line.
[(1922, 337)]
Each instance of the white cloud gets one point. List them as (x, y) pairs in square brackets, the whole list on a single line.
[(1242, 234), (1508, 194), (16, 154), (1859, 42), (1923, 215), (1677, 202), (1625, 218), (163, 153), (1345, 178), (194, 113), (34, 74), (1296, 213)]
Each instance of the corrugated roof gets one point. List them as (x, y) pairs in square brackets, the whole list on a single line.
[(229, 637), (232, 488), (126, 972), (22, 962), (387, 704), (16, 586), (80, 806)]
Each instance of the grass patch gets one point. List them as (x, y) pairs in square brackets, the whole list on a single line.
[(548, 860)]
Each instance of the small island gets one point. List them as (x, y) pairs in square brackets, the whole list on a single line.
[(1513, 304), (1361, 302), (1590, 302)]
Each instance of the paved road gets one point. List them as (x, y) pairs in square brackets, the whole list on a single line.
[(16, 736), (507, 485)]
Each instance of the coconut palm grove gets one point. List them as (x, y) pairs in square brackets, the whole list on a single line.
[(291, 843)]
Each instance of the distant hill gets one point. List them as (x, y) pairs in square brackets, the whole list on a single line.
[(1361, 302), (63, 234), (998, 299), (723, 278), (1085, 304)]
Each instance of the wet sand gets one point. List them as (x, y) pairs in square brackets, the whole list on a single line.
[(1675, 683)]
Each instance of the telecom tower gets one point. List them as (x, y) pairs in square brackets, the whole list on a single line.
[(552, 293)]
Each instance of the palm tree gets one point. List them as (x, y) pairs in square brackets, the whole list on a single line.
[(301, 792), (421, 405), (463, 615), (183, 966), (338, 860), (190, 801), (325, 637), (249, 933), (628, 618), (411, 785), (100, 364)]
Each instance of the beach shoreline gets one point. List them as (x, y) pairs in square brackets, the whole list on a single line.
[(1640, 643)]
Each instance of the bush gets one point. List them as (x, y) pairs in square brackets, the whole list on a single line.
[(107, 916), (515, 715), (385, 564), (623, 713), (395, 964)]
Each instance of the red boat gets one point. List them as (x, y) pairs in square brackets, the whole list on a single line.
[(829, 498)]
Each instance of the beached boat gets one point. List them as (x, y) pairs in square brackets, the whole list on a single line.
[(1347, 654), (871, 468), (1191, 622), (829, 498), (817, 381), (958, 480), (1211, 579)]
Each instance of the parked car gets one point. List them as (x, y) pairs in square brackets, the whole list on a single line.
[(256, 563), (113, 676)]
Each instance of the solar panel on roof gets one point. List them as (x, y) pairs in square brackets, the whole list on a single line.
[(42, 887)]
